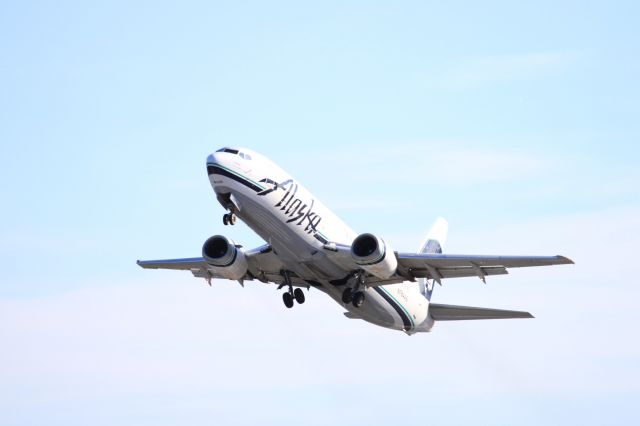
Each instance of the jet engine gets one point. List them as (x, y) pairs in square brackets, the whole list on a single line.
[(374, 256), (224, 258)]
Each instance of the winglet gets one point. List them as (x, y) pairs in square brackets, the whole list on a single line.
[(563, 260)]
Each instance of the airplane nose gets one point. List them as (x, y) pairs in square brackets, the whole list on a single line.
[(212, 162), (216, 158)]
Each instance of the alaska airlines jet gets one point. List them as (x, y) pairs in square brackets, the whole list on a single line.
[(309, 246)]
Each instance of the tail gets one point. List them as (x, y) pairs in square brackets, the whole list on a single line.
[(433, 243)]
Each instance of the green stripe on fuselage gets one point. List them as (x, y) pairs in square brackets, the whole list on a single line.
[(237, 174), (413, 324)]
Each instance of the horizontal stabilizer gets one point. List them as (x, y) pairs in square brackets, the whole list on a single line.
[(441, 312), (179, 264)]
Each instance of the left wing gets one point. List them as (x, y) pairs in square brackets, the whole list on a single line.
[(198, 267), (262, 264)]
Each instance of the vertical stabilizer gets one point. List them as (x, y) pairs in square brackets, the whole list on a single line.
[(433, 243)]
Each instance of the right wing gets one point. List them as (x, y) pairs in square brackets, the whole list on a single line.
[(440, 312), (437, 266)]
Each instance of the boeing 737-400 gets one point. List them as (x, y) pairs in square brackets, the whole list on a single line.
[(309, 246)]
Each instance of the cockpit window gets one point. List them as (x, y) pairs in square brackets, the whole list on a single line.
[(229, 150), (235, 152)]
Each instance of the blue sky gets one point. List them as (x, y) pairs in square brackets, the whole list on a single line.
[(517, 122)]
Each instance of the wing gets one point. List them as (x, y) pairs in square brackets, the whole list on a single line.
[(441, 312), (439, 266), (262, 263)]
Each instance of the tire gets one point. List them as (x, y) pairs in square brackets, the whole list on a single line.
[(299, 295), (232, 219), (225, 220), (358, 299), (347, 296), (287, 299)]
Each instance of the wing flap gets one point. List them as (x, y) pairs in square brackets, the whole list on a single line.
[(460, 272), (415, 260), (437, 266), (440, 312)]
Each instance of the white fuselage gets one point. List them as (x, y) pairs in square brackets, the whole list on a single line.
[(297, 226)]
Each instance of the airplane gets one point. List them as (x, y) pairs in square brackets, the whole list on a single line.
[(307, 246)]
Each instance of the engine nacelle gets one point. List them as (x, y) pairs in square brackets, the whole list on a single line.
[(374, 256), (224, 258)]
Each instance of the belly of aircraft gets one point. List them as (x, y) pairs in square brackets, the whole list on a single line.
[(293, 251), (302, 258)]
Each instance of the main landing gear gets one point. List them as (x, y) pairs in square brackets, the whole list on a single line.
[(354, 297), (229, 219), (289, 296)]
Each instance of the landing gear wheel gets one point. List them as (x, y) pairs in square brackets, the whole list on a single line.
[(232, 218), (287, 298), (347, 296), (358, 299), (225, 219), (299, 295)]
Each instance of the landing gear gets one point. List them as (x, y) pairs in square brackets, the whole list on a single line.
[(287, 298), (358, 299), (229, 219), (298, 295), (355, 297), (347, 296)]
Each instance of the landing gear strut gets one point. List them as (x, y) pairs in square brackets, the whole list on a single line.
[(229, 219)]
